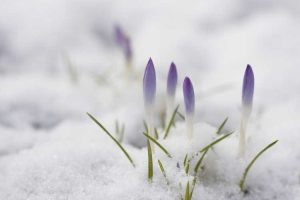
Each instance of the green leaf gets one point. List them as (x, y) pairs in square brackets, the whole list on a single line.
[(163, 171), (180, 115), (114, 139), (187, 191), (119, 132), (145, 126), (150, 162), (215, 142), (171, 122), (158, 144), (156, 134), (193, 187), (187, 167), (221, 126), (185, 159), (200, 161), (206, 148), (242, 182)]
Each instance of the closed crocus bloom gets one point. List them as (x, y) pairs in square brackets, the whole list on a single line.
[(123, 41), (189, 102), (248, 90), (149, 89), (149, 84), (172, 81), (171, 90), (119, 35), (189, 97), (247, 101)]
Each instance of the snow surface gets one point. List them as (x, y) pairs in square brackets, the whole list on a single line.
[(50, 149)]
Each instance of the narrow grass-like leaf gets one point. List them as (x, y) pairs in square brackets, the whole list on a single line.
[(156, 135), (185, 159), (187, 191), (215, 142), (180, 115), (242, 182), (171, 122), (114, 139), (200, 161), (145, 126), (209, 146), (193, 187), (158, 144), (119, 132), (187, 167), (150, 162), (162, 169), (221, 126)]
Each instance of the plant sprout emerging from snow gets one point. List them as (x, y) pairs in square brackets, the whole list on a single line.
[(171, 89), (189, 102), (123, 41), (247, 99), (149, 89)]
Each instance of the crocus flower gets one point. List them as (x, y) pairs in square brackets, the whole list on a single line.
[(247, 100), (149, 89), (119, 35), (248, 88), (189, 102), (149, 84), (123, 42), (172, 81), (171, 90), (189, 97)]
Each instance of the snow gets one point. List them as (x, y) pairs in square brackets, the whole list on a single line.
[(50, 149)]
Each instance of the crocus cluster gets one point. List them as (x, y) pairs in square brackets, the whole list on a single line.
[(247, 99), (149, 86), (149, 89), (123, 41)]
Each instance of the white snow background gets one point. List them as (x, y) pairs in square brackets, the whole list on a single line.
[(51, 150)]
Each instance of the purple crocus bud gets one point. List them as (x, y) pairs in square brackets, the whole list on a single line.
[(247, 99), (189, 97), (119, 35), (172, 80), (123, 42), (149, 84), (248, 87)]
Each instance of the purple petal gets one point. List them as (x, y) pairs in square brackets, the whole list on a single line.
[(149, 83), (248, 87), (123, 42), (189, 96), (119, 35), (172, 80)]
